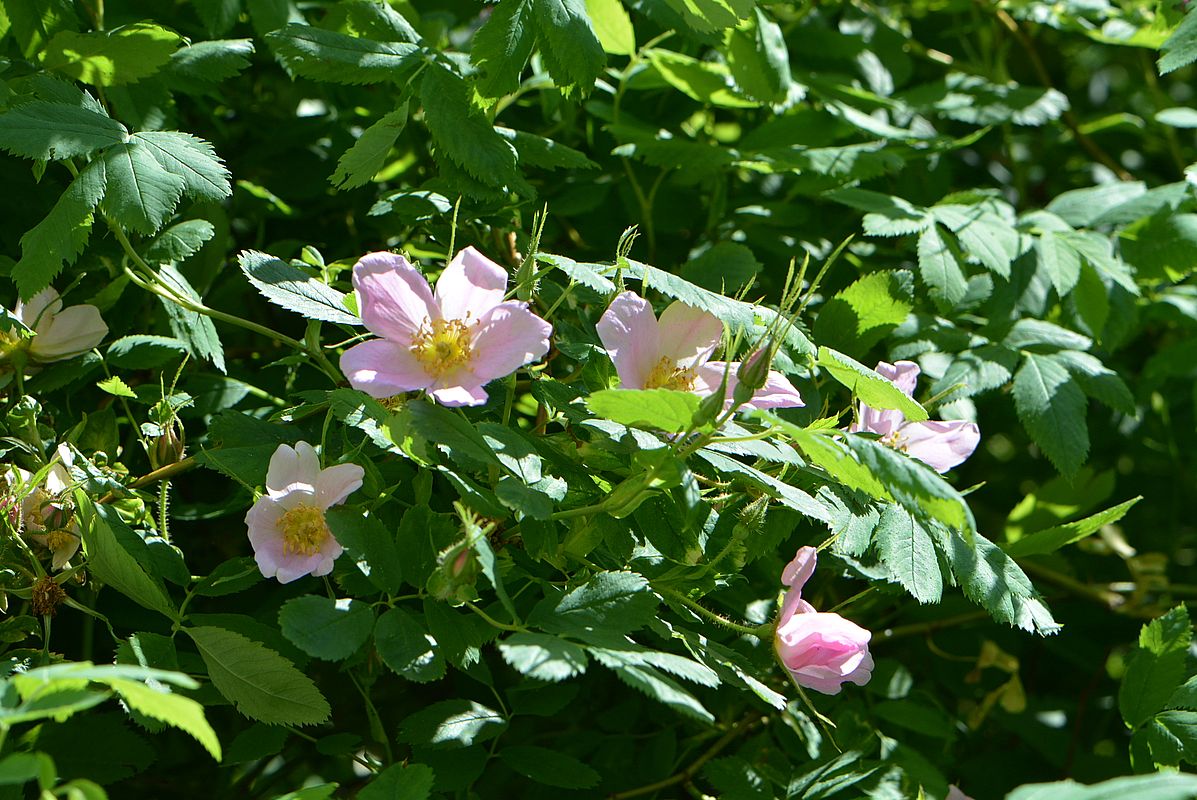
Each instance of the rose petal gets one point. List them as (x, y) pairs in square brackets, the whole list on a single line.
[(777, 392), (292, 469), (393, 298), (508, 336), (939, 444), (688, 335), (801, 567), (903, 374), (628, 330), (455, 396), (70, 332), (470, 286), (336, 483), (40, 309), (382, 368)]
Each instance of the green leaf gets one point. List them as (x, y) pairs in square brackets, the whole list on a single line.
[(501, 47), (262, 684), (452, 723), (705, 16), (174, 709), (325, 55), (400, 782), (57, 131), (913, 484), (990, 240), (462, 132), (758, 58), (368, 155), (703, 81), (1052, 408), (1161, 247), (115, 566), (143, 352), (537, 151), (450, 431), (180, 242), (872, 389), (293, 289), (116, 387), (543, 657), (193, 328), (1172, 737), (612, 26), (111, 58), (196, 67), (1038, 334), (367, 540), (326, 628), (609, 604), (1060, 261), (862, 313), (724, 267), (141, 194), (632, 670), (60, 237), (20, 768), (992, 580), (549, 767), (789, 496), (570, 49), (406, 647), (218, 15), (663, 409), (939, 267), (192, 159), (1180, 48), (1156, 667), (1164, 786), (1052, 539), (907, 550), (1177, 117)]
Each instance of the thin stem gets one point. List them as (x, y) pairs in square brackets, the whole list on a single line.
[(160, 474), (902, 631), (737, 730), (761, 631), (503, 626)]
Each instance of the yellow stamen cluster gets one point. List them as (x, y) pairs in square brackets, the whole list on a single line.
[(304, 530), (442, 346), (667, 374), (59, 540), (896, 441)]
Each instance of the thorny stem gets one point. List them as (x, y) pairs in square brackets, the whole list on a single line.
[(160, 474), (687, 774)]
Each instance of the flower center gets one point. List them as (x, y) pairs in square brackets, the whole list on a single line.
[(896, 440), (304, 530), (442, 346), (668, 375), (59, 540)]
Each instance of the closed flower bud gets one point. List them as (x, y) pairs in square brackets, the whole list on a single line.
[(455, 575), (754, 371), (168, 447)]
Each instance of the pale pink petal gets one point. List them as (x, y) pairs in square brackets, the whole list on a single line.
[(40, 309), (470, 286), (940, 445), (382, 368), (58, 480), (455, 396), (336, 483), (903, 374), (801, 567), (823, 650), (70, 332), (61, 556), (688, 336), (777, 392), (629, 333), (508, 336), (292, 469), (872, 420), (393, 298), (954, 793), (793, 604), (709, 376)]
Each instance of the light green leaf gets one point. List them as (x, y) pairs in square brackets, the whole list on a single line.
[(543, 657), (648, 679), (1052, 539), (1052, 408), (502, 46), (1031, 334), (406, 647), (57, 131), (179, 242), (758, 58), (1164, 786), (1180, 48), (262, 684), (549, 767), (325, 55), (663, 409), (1172, 737), (325, 628), (115, 566), (111, 58), (59, 238), (612, 26), (703, 81), (987, 238), (192, 159), (361, 162), (174, 709), (116, 387), (293, 289), (907, 550), (141, 194), (706, 16), (462, 132), (1061, 263), (204, 63), (1156, 667), (862, 313), (872, 389)]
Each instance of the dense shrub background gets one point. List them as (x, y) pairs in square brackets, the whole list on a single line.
[(1010, 182)]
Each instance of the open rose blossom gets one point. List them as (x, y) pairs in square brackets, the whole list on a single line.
[(941, 444), (820, 650), (673, 352), (451, 343), (62, 333), (286, 525)]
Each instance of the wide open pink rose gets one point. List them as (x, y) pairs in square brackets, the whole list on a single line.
[(450, 343), (821, 651), (941, 444), (672, 352)]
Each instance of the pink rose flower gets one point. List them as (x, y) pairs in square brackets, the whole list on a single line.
[(673, 352), (45, 513), (61, 333), (955, 794), (452, 343), (940, 445), (821, 651), (286, 525)]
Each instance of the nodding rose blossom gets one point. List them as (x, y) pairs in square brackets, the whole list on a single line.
[(955, 794), (451, 343), (45, 514), (62, 333), (821, 651), (673, 352), (940, 444), (286, 525)]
